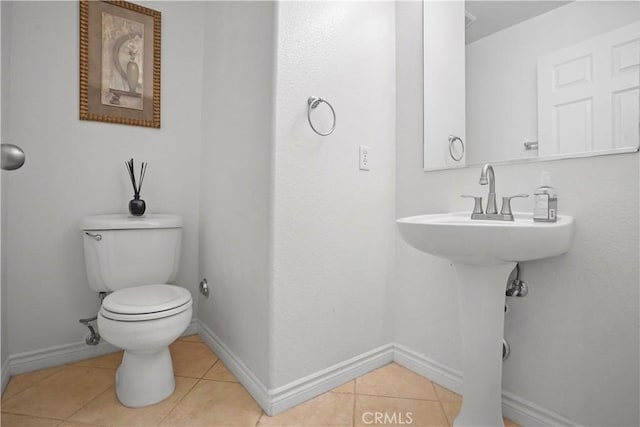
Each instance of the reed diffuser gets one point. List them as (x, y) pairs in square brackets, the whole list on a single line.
[(137, 206)]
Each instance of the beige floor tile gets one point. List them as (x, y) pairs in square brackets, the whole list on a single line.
[(220, 372), (394, 380), (14, 420), (329, 409), (509, 423), (75, 424), (110, 361), (191, 338), (107, 410), (22, 382), (451, 410), (446, 395), (346, 388), (61, 394), (191, 359), (215, 403), (390, 411)]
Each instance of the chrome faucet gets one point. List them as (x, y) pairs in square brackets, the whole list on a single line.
[(487, 176)]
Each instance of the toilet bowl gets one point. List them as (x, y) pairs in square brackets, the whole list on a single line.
[(143, 321), (134, 260)]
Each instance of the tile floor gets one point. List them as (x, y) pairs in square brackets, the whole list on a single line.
[(82, 394)]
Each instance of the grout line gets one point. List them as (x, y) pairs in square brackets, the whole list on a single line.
[(262, 414), (355, 397), (399, 397), (449, 422), (90, 400), (34, 416), (60, 368), (179, 400)]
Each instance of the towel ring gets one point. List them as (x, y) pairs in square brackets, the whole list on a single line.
[(312, 104), (452, 140)]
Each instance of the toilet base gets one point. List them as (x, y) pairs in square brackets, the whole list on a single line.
[(145, 378)]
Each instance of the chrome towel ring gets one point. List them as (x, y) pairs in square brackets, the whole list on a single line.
[(452, 140), (312, 104)]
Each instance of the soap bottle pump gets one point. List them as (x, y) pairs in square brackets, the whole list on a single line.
[(545, 199)]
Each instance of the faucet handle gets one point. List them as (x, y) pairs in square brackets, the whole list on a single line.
[(477, 207), (506, 204)]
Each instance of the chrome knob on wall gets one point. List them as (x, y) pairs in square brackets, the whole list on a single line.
[(12, 157)]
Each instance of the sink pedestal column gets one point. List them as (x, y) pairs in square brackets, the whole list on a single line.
[(481, 292)]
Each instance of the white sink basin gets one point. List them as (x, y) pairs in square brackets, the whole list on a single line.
[(483, 253), (456, 237)]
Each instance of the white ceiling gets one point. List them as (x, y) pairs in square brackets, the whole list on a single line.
[(493, 16)]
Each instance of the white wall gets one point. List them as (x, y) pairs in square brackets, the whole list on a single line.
[(502, 95), (333, 224), (574, 339), (4, 350), (75, 168), (235, 218)]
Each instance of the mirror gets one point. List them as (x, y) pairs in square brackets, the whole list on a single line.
[(530, 80)]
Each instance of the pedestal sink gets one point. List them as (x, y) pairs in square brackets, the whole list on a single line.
[(484, 253)]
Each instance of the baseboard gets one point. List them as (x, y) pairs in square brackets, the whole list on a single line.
[(5, 375), (527, 413), (294, 393), (274, 401), (515, 408), (57, 355), (63, 354), (254, 386), (436, 372)]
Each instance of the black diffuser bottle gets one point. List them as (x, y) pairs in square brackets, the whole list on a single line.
[(137, 206)]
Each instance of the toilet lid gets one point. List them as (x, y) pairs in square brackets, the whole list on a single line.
[(146, 300)]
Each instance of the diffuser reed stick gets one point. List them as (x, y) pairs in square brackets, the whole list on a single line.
[(132, 176)]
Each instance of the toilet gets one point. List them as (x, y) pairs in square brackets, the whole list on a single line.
[(134, 260)]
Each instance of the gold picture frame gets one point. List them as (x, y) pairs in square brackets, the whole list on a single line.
[(120, 63)]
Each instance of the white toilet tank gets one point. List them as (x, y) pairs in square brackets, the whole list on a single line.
[(122, 251)]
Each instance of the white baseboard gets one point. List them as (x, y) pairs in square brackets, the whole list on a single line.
[(5, 375), (296, 392), (436, 372), (63, 354), (279, 399), (523, 412), (274, 401), (254, 386), (57, 355)]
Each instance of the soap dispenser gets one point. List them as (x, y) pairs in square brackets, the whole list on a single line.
[(545, 200)]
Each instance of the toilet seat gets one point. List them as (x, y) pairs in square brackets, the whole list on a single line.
[(147, 302)]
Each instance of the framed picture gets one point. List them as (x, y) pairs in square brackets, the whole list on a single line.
[(119, 63)]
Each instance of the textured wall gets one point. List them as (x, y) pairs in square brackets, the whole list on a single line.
[(75, 168), (4, 350), (574, 339), (333, 224), (236, 194)]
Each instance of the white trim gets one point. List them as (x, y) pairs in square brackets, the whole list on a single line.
[(57, 355), (422, 365), (279, 399), (63, 354), (296, 392), (254, 386), (515, 408), (5, 375), (527, 413)]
